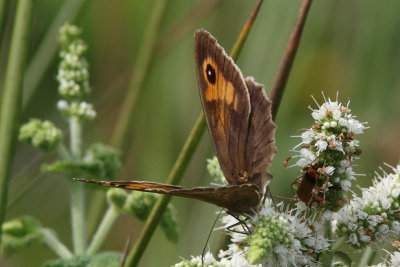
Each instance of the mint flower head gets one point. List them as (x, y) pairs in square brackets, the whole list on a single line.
[(209, 261), (277, 239), (374, 218), (330, 146), (40, 134), (73, 74), (215, 171), (82, 110)]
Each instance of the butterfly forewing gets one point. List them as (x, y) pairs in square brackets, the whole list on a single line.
[(242, 199), (226, 103)]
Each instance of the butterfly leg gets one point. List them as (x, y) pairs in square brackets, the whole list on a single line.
[(265, 197), (295, 182), (208, 237), (246, 229)]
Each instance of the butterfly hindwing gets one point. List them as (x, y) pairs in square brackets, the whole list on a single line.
[(260, 147)]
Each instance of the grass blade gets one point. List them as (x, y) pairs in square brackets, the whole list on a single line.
[(10, 109)]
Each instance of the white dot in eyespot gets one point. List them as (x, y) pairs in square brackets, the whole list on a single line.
[(209, 72)]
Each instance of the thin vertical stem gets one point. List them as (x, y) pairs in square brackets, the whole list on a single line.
[(77, 191), (282, 75), (75, 137), (182, 161), (78, 218), (109, 218), (237, 47), (4, 8), (367, 257), (10, 108)]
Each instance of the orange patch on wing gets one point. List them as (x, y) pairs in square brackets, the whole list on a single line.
[(222, 89), (143, 186)]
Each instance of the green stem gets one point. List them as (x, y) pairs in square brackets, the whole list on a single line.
[(63, 152), (10, 108), (78, 217), (4, 7), (338, 243), (367, 257), (282, 76), (104, 228), (54, 244), (181, 163), (76, 137), (142, 64), (48, 48), (173, 178), (326, 258), (77, 191), (328, 229)]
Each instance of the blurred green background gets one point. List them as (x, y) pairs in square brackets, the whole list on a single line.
[(350, 47)]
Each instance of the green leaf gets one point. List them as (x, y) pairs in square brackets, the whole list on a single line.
[(77, 261), (19, 234), (106, 259)]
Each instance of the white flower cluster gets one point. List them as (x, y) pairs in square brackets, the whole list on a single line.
[(82, 110), (373, 218), (277, 239), (40, 134), (329, 146), (237, 260), (73, 75), (215, 171)]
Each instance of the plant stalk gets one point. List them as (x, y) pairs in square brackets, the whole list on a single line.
[(4, 8), (104, 228), (54, 244), (367, 257), (77, 191), (285, 67), (78, 217), (10, 108)]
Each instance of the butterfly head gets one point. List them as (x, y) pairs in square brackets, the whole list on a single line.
[(242, 177)]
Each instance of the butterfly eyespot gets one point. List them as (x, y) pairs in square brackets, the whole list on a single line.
[(210, 72)]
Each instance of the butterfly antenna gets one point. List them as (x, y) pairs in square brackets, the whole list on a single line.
[(126, 250), (208, 237)]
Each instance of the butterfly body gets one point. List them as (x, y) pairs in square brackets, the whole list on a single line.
[(238, 116)]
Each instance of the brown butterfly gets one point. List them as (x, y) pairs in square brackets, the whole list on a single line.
[(238, 115)]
